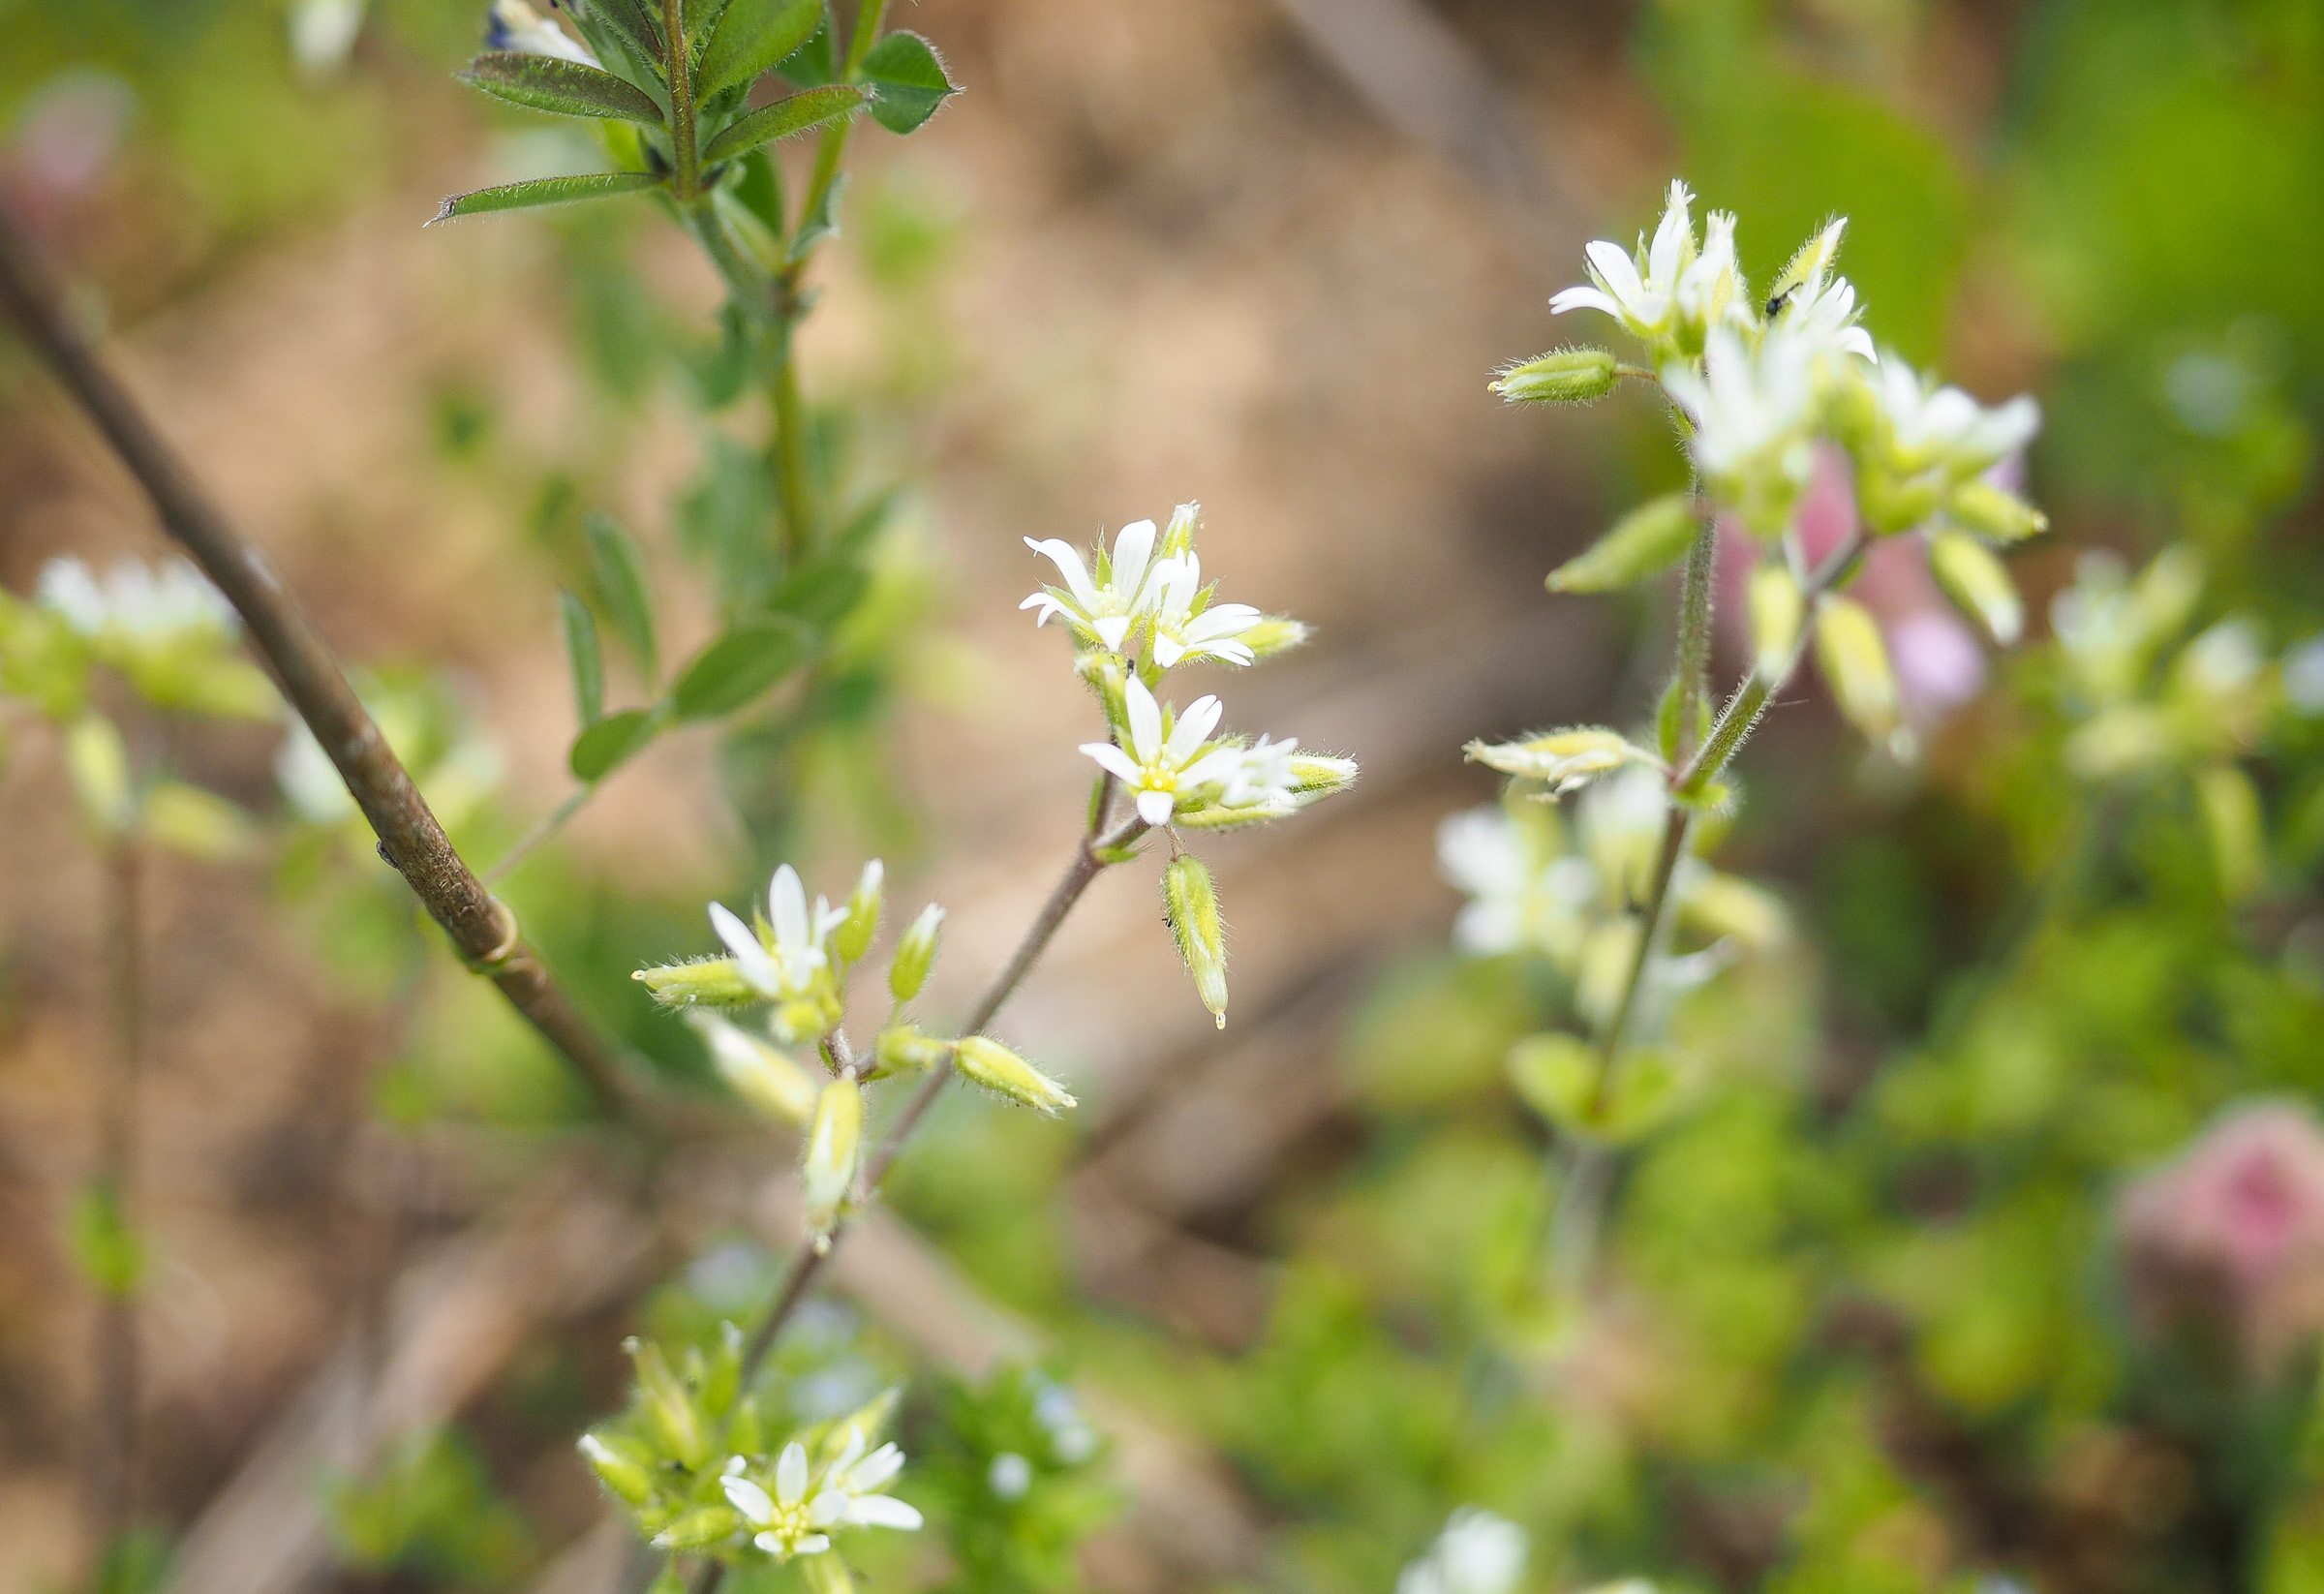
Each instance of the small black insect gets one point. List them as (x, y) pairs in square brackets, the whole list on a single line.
[(1779, 301)]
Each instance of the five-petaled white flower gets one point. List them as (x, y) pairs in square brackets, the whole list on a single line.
[(1162, 770), (1262, 777), (513, 25), (798, 1517), (1182, 631), (1641, 294), (1930, 426), (1105, 608), (787, 968), (1749, 408)]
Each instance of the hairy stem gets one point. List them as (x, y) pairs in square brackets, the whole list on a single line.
[(1694, 632), (678, 66), (799, 533), (310, 678), (114, 1452)]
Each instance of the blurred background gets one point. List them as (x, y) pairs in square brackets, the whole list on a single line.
[(1870, 1329)]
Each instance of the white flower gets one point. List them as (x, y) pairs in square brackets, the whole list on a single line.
[(1752, 411), (787, 968), (1812, 301), (136, 603), (798, 1517), (1107, 608), (1483, 855), (1182, 631), (1930, 426), (1642, 295), (1162, 771), (513, 25), (1477, 1553), (1712, 291), (1262, 777)]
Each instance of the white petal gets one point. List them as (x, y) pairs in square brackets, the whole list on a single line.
[(749, 957), (883, 1511), (1621, 277), (1222, 620), (786, 905), (1112, 628), (748, 1498), (1132, 548), (1194, 729), (1582, 298), (790, 1474), (1155, 807), (850, 1453), (1145, 720), (829, 1507), (1167, 651), (1113, 761), (1216, 765), (769, 1542), (815, 1544), (1672, 238), (1068, 560), (875, 1469)]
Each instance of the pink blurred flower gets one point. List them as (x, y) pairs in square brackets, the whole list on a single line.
[(2231, 1234), (1940, 664), (64, 141)]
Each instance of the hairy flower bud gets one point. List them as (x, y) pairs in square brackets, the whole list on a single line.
[(99, 765), (707, 982), (901, 1049), (667, 1410), (1177, 538), (833, 1140), (1315, 776), (1972, 578), (1564, 759), (987, 1062), (915, 954), (622, 1465), (1563, 376), (1996, 513), (1855, 665), (1190, 905), (1277, 634), (1644, 542), (770, 1083), (1777, 609), (853, 938)]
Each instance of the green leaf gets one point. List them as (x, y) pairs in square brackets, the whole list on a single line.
[(783, 118), (610, 742), (542, 191), (637, 25), (587, 657), (815, 63), (821, 222), (821, 593), (910, 79), (726, 675), (567, 88), (760, 190), (1558, 1076), (619, 568), (751, 37), (110, 1252)]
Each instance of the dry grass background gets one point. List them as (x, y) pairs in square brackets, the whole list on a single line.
[(1203, 256)]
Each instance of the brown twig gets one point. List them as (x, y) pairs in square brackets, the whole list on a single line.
[(303, 665)]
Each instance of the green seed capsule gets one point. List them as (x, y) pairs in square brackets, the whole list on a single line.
[(1190, 903), (1777, 609), (1565, 376), (985, 1061), (1855, 665), (915, 954), (1644, 542), (1976, 580)]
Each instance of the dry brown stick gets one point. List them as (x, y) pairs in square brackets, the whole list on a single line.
[(302, 663)]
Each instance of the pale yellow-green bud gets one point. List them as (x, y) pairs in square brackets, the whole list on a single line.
[(1277, 634), (901, 1049), (709, 982), (198, 823), (826, 1575), (985, 1061), (700, 1528), (811, 1016), (1723, 907), (1890, 503), (1855, 665), (853, 938), (1190, 905), (99, 763), (1563, 376), (1777, 609), (667, 1409), (1644, 542), (621, 1465), (2231, 818), (1564, 759), (1996, 513), (769, 1083), (1314, 775), (1177, 538), (1108, 677), (915, 954), (828, 1164), (1975, 579)]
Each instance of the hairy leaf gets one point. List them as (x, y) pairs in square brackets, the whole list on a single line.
[(726, 675), (542, 191), (565, 87), (751, 37), (611, 742), (585, 655), (910, 79), (620, 570), (638, 24), (783, 118), (817, 61)]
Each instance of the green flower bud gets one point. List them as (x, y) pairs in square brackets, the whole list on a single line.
[(769, 1083), (1563, 376), (1277, 634), (702, 1527), (1975, 579), (622, 1465), (915, 954), (99, 763), (667, 1410), (1855, 665), (828, 1165), (1177, 538), (1316, 776), (1644, 542), (1777, 608), (901, 1048), (2238, 835), (826, 1575), (1190, 905), (706, 982), (853, 938), (1564, 759), (1996, 513), (987, 1062)]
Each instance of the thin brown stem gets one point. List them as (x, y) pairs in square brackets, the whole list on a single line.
[(118, 1439), (304, 667)]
